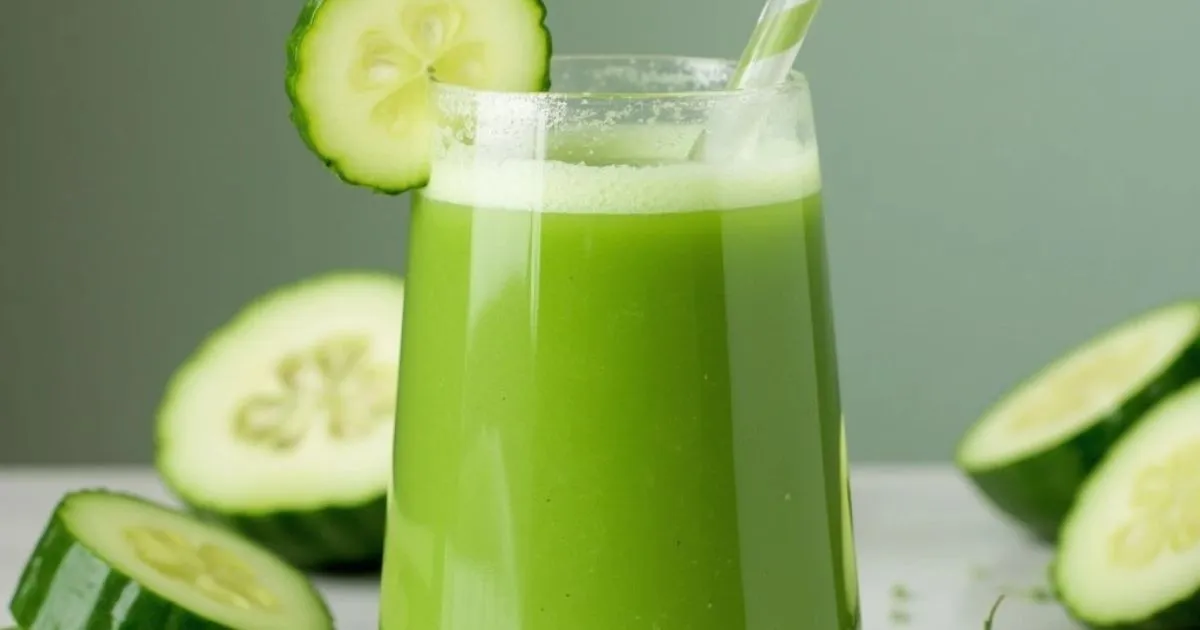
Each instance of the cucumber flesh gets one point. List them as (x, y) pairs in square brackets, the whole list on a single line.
[(1129, 553), (359, 71), (116, 561), (1032, 451), (281, 423)]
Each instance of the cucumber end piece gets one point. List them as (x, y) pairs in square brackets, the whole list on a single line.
[(279, 425), (359, 71)]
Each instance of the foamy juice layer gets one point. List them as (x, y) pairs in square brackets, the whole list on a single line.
[(625, 170)]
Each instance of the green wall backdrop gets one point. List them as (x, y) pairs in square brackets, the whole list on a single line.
[(1002, 178)]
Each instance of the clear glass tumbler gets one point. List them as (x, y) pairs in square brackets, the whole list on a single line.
[(618, 404)]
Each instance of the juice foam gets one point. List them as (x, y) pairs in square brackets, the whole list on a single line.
[(639, 170)]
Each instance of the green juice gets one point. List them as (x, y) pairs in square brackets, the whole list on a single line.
[(619, 404)]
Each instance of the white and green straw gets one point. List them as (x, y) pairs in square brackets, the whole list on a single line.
[(773, 47)]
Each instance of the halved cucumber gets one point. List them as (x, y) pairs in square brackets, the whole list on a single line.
[(280, 425), (358, 76), (1031, 452), (115, 561), (1129, 553)]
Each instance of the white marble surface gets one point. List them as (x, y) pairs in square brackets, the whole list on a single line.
[(920, 527)]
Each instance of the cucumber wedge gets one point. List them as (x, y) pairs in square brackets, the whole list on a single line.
[(280, 425), (1129, 554), (1032, 451), (358, 74), (115, 561)]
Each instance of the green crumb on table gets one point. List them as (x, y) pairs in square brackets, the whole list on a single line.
[(1041, 595), (1034, 594), (900, 592), (979, 573), (899, 617)]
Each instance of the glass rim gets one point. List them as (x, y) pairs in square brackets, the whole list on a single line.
[(796, 81)]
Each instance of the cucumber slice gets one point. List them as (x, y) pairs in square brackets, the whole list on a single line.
[(358, 76), (280, 425), (1031, 452), (116, 561), (1129, 553)]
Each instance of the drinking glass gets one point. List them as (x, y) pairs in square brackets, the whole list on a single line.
[(618, 402)]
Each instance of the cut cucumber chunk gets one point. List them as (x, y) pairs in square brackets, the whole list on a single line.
[(1129, 553), (280, 425), (1031, 452), (358, 76), (115, 561)]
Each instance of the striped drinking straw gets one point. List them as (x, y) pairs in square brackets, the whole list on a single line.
[(772, 50)]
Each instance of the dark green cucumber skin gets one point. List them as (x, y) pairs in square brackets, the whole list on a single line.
[(300, 118), (1037, 492), (65, 586), (333, 539)]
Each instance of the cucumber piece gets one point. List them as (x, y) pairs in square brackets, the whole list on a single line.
[(280, 425), (119, 562), (1030, 453), (1128, 557), (358, 74)]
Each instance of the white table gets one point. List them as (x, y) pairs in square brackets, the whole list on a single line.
[(919, 527)]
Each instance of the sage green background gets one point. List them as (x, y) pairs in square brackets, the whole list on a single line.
[(1003, 179)]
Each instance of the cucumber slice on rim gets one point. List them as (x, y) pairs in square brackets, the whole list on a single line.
[(1129, 553), (1032, 451), (280, 425), (358, 76), (115, 561)]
